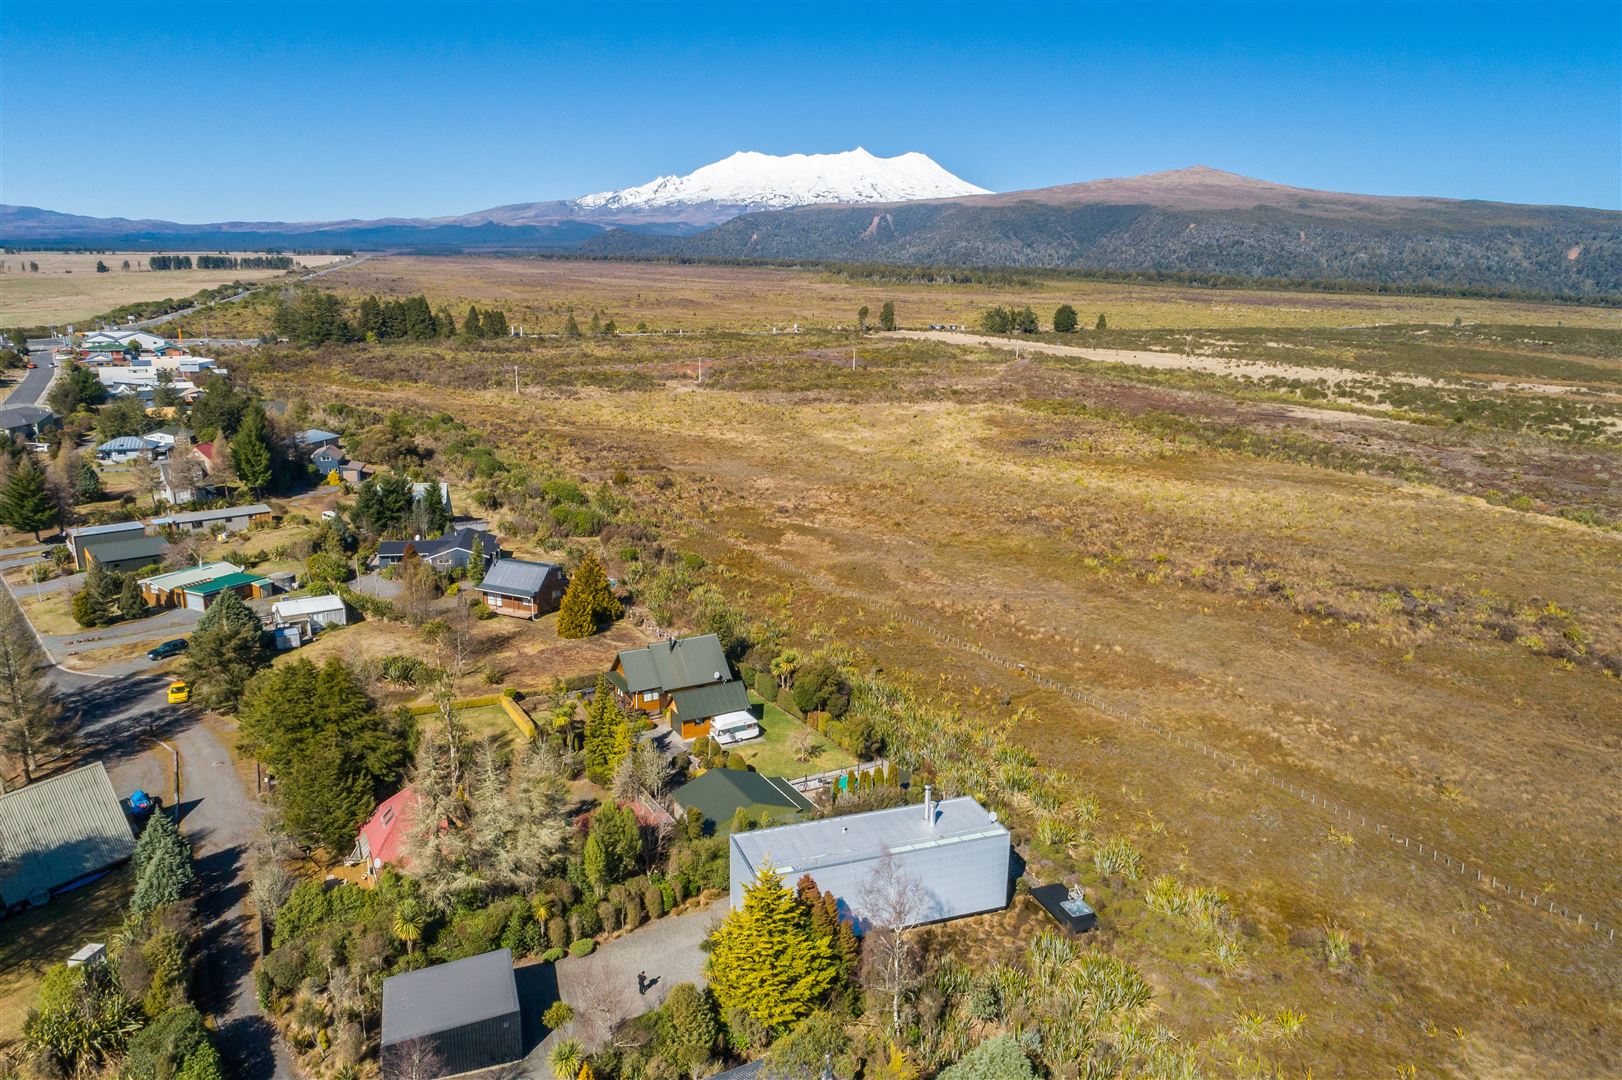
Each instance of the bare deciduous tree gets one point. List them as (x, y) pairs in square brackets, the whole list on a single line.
[(642, 774), (892, 901), (32, 723), (414, 1059)]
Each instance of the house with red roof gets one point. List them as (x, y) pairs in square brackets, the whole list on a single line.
[(383, 835)]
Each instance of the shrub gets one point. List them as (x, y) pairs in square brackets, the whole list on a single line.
[(552, 956), (1118, 856), (766, 686), (557, 1015), (557, 933), (653, 898), (583, 947)]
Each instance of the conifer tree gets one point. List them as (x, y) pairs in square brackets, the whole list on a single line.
[(1064, 319), (25, 504), (1102, 323), (31, 721), (250, 451), (475, 560), (588, 603), (887, 315), (608, 733), (131, 604), (226, 649), (471, 323), (766, 960), (570, 327), (162, 863)]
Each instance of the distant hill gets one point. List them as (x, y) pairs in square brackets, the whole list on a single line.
[(1197, 220)]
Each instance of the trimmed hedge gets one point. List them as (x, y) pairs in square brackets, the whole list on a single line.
[(583, 947)]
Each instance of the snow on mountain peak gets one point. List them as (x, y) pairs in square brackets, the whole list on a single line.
[(765, 181)]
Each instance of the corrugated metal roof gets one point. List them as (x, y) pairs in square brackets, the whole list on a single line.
[(223, 514), (315, 435), (179, 579), (124, 443), (703, 702), (121, 550), (720, 792), (106, 530), (676, 664), (517, 577), (448, 996), (56, 830), (220, 584), (308, 605), (794, 849)]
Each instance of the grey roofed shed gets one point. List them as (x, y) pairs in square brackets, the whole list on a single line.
[(467, 1009), (58, 830), (224, 513), (517, 577), (120, 551), (959, 854)]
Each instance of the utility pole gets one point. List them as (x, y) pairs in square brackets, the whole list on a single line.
[(515, 378)]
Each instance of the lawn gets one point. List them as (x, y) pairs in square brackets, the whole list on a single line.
[(33, 941), (50, 612), (774, 752)]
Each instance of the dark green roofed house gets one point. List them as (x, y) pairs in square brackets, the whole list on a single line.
[(59, 832), (686, 680), (720, 793), (123, 553)]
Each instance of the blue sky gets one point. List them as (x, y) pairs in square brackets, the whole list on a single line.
[(292, 112)]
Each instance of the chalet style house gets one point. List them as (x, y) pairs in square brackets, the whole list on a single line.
[(685, 680), (521, 588)]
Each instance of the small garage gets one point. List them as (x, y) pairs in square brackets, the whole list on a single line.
[(465, 1012), (247, 586)]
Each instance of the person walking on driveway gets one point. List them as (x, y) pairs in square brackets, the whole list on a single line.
[(641, 982)]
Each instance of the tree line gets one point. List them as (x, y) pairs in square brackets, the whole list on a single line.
[(218, 262), (316, 317)]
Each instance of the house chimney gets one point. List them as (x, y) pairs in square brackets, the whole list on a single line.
[(929, 804)]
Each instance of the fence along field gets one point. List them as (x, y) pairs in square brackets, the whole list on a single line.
[(1484, 875)]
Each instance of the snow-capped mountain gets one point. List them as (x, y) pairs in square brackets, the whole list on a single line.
[(755, 181)]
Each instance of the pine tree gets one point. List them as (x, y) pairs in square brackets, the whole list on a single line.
[(31, 721), (765, 959), (588, 603), (25, 503), (472, 325), (250, 451), (131, 604), (570, 327), (97, 599), (162, 863), (595, 861), (887, 316), (1064, 319), (475, 560), (494, 324), (444, 322), (226, 650), (1102, 323), (325, 796), (608, 733)]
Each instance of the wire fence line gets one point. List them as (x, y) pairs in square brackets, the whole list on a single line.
[(1485, 875)]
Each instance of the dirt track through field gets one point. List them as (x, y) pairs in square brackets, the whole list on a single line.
[(1211, 365)]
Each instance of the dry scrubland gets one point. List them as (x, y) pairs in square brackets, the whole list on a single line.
[(1391, 613), (67, 286)]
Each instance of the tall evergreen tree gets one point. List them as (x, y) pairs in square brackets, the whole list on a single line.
[(226, 649), (25, 503), (32, 723), (162, 863), (887, 315), (325, 795), (250, 451), (607, 736), (1064, 319), (494, 324), (472, 325), (1102, 323), (444, 322), (765, 958), (475, 560), (588, 603)]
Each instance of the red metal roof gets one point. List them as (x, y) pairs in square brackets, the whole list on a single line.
[(385, 830)]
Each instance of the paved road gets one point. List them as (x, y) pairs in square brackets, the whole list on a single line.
[(35, 380), (121, 716)]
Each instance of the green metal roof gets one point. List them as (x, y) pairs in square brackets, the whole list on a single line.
[(58, 830), (703, 702), (123, 549), (676, 664), (719, 794), (229, 581)]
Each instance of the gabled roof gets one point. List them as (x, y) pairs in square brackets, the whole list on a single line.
[(517, 577), (307, 605), (315, 435), (703, 702), (192, 575), (460, 540), (220, 584), (57, 830), (448, 996), (385, 830), (224, 513), (125, 444), (119, 549), (720, 793), (675, 664)]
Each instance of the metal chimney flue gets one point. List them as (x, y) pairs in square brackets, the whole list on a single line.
[(929, 804)]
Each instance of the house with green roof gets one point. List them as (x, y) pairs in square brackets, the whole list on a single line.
[(719, 794), (686, 680), (245, 584)]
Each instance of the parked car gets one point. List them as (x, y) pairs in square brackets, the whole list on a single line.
[(167, 649), (139, 806), (31, 364), (179, 693)]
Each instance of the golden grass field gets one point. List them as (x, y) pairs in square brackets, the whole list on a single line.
[(537, 293), (67, 287), (1348, 602)]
